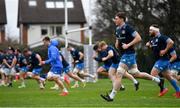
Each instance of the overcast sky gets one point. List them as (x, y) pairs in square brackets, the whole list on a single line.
[(12, 7)]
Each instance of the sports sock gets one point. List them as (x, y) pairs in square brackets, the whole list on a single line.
[(174, 84), (112, 94)]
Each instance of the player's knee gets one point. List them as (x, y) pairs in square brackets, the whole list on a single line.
[(134, 71), (81, 72), (121, 70), (75, 70)]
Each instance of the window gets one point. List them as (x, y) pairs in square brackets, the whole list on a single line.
[(58, 30), (70, 4), (44, 31), (52, 30), (32, 3), (59, 4), (50, 4)]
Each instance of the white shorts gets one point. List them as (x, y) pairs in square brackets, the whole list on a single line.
[(175, 72), (51, 75), (8, 71)]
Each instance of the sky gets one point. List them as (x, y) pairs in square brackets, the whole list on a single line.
[(11, 11)]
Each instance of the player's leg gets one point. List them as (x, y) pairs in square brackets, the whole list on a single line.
[(55, 77), (75, 71), (129, 76), (23, 72), (2, 77), (116, 81), (173, 82), (82, 72), (102, 70), (77, 78)]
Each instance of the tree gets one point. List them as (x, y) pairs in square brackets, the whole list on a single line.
[(141, 14)]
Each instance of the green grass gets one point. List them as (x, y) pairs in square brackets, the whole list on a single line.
[(88, 96)]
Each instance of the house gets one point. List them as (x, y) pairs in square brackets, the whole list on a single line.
[(3, 20), (39, 18)]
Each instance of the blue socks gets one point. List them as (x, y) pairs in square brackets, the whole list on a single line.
[(174, 84)]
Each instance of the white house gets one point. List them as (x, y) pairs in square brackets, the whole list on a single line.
[(39, 18), (3, 20)]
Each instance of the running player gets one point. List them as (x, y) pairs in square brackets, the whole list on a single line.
[(160, 45), (56, 65), (34, 62), (66, 69), (98, 57), (126, 39), (78, 58), (108, 63), (22, 67), (113, 75)]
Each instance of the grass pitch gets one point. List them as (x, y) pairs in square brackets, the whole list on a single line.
[(89, 96)]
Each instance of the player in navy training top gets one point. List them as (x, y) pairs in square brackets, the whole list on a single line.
[(22, 67), (98, 57), (34, 62), (160, 45), (78, 58)]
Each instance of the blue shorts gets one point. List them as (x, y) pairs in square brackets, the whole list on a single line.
[(67, 69), (80, 66), (56, 70), (115, 66), (106, 67), (175, 66), (162, 65), (37, 71), (128, 59), (23, 69)]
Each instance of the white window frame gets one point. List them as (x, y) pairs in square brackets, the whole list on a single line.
[(32, 3)]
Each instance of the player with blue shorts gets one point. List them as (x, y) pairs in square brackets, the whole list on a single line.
[(126, 39), (161, 45), (34, 62), (78, 58), (56, 65), (113, 55), (98, 57), (22, 67)]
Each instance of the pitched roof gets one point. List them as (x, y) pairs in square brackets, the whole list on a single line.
[(41, 15), (3, 19)]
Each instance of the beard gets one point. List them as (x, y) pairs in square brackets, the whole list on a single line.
[(152, 34)]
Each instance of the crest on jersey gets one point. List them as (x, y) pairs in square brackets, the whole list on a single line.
[(123, 31)]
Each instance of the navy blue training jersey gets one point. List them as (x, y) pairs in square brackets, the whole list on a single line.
[(125, 35), (34, 61), (115, 59), (9, 58), (75, 55), (64, 62), (159, 43), (102, 54), (21, 60)]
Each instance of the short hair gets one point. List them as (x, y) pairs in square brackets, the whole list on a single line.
[(18, 50), (121, 15), (102, 43), (11, 48), (26, 50), (155, 25), (96, 46), (46, 39)]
